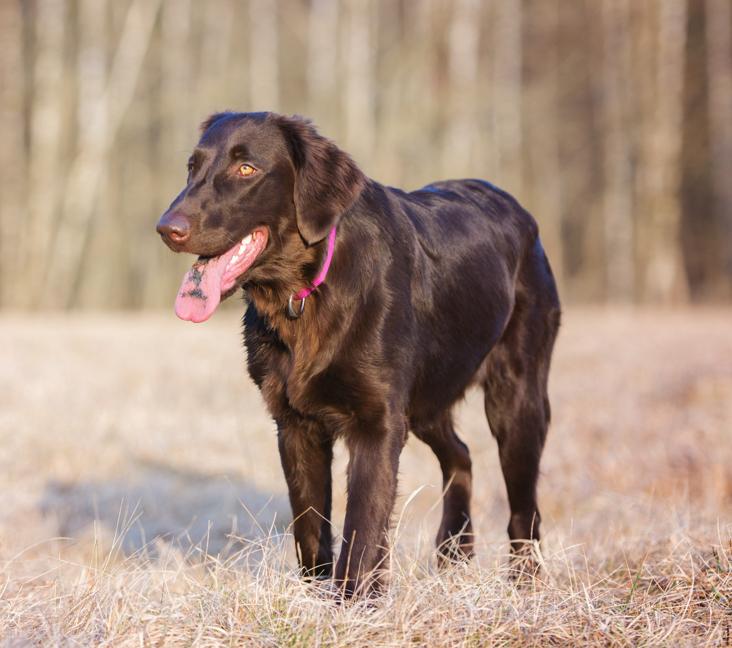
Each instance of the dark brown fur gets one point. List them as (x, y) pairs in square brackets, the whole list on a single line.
[(429, 292)]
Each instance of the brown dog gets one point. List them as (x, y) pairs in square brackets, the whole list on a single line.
[(371, 311)]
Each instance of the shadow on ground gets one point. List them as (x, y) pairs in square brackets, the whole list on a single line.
[(182, 507)]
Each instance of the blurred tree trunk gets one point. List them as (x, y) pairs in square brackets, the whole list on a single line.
[(507, 63), (419, 89), (609, 119), (579, 168), (390, 127), (13, 160), (462, 60), (176, 103), (359, 88), (719, 73), (177, 62), (103, 122), (618, 195), (211, 88), (45, 163), (322, 57), (263, 56), (663, 278), (540, 89), (91, 120)]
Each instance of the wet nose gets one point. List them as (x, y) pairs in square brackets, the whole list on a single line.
[(174, 228)]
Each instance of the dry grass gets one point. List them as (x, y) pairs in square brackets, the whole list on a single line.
[(143, 502)]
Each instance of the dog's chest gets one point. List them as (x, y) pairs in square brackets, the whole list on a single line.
[(335, 395)]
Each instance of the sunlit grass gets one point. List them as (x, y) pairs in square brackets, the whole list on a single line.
[(144, 503)]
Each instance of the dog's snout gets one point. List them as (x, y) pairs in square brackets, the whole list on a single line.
[(174, 228)]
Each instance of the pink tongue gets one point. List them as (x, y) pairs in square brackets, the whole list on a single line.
[(200, 292)]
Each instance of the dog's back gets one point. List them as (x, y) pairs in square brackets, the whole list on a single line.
[(468, 249)]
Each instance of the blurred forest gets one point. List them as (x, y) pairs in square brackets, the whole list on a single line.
[(610, 120)]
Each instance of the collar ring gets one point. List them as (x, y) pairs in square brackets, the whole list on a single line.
[(291, 311)]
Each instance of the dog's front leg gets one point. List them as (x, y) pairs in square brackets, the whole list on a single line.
[(306, 452), (372, 480)]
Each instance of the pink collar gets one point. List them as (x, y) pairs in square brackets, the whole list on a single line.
[(301, 294)]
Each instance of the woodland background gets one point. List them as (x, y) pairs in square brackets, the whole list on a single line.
[(611, 120), (143, 503)]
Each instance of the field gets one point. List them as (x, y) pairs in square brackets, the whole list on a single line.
[(143, 502)]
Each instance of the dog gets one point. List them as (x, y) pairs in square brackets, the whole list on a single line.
[(370, 312)]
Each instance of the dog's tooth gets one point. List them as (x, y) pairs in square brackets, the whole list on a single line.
[(247, 240), (235, 258)]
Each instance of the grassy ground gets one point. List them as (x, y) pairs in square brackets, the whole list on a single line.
[(143, 503)]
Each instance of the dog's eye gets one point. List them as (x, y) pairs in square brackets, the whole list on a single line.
[(246, 170)]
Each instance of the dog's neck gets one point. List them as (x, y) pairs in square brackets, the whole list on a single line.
[(296, 267), (306, 291)]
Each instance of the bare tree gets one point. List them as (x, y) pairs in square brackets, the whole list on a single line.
[(418, 88), (91, 72), (177, 62), (390, 130), (617, 194), (660, 174), (719, 72), (182, 90), (463, 39), (507, 91), (540, 98), (45, 164), (576, 108), (217, 78), (263, 56), (322, 57), (86, 171), (358, 92), (13, 160)]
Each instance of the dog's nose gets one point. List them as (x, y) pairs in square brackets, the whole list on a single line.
[(174, 227)]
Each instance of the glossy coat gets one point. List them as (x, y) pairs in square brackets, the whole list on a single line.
[(429, 292)]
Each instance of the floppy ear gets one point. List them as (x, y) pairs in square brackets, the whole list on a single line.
[(327, 180)]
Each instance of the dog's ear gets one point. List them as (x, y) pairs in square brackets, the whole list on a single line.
[(327, 180)]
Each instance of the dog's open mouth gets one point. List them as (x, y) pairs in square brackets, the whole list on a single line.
[(211, 278)]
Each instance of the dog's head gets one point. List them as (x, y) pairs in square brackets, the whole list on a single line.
[(255, 180)]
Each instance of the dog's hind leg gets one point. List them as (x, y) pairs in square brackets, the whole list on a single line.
[(455, 536), (516, 399)]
